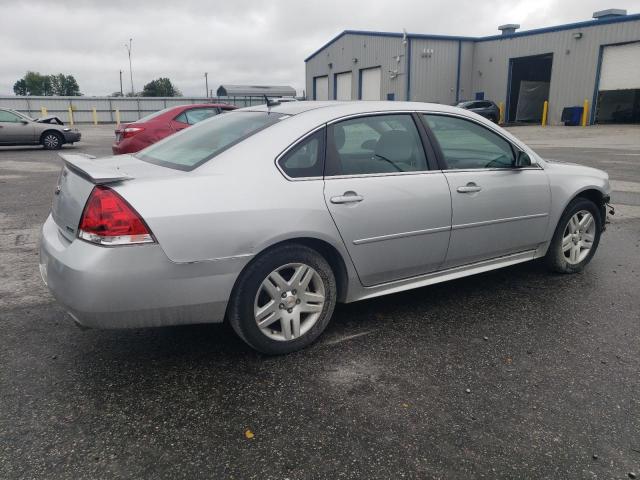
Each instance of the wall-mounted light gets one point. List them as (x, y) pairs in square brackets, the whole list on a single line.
[(393, 74), (577, 35), (330, 65), (355, 60)]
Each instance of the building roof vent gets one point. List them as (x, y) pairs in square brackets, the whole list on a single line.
[(609, 13), (508, 28)]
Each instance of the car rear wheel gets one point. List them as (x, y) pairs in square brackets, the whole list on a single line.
[(51, 141), (576, 237), (284, 300)]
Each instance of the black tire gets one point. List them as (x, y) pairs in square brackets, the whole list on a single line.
[(555, 259), (240, 313), (51, 140)]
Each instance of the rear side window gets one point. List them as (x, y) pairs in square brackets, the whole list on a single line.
[(196, 145), (9, 117), (374, 144), (198, 114), (306, 159), (467, 145)]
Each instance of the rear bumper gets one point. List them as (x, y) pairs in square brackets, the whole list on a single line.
[(133, 286)]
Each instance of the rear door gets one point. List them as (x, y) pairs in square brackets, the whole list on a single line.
[(392, 211), (498, 208)]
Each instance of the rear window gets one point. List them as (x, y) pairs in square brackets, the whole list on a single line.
[(194, 146)]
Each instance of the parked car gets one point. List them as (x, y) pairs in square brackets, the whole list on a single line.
[(19, 129), (268, 216), (485, 108), (133, 137)]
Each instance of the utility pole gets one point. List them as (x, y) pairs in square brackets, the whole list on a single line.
[(121, 92), (128, 47), (206, 85)]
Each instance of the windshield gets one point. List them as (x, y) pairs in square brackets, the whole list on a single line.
[(200, 143)]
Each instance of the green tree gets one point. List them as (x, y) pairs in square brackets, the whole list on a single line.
[(34, 83), (161, 87), (20, 87), (64, 85)]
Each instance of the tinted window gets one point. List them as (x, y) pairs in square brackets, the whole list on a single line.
[(194, 146), (9, 117), (182, 118), (306, 158), (376, 144), (466, 144)]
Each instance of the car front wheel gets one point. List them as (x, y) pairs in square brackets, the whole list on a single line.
[(284, 300), (52, 141), (576, 237)]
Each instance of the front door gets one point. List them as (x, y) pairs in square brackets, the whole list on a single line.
[(393, 213), (15, 129), (498, 208)]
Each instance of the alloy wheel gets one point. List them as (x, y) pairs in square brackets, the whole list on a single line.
[(578, 237), (51, 141), (289, 302)]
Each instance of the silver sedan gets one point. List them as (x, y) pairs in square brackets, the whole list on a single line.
[(267, 216), (19, 129)]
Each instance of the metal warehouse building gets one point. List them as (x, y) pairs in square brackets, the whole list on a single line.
[(598, 60)]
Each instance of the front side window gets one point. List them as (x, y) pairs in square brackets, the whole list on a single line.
[(305, 159), (467, 145), (9, 117), (200, 143), (374, 144)]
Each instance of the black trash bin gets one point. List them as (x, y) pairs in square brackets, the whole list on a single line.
[(571, 116)]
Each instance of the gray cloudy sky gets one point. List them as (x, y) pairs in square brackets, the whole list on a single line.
[(236, 41)]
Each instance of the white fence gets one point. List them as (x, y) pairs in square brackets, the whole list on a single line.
[(130, 108)]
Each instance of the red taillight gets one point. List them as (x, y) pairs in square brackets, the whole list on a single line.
[(108, 219), (131, 131)]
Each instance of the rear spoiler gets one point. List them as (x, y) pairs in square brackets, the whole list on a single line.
[(86, 166)]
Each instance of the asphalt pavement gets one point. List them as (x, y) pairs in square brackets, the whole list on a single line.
[(516, 373)]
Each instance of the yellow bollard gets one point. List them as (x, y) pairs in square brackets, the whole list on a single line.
[(501, 108), (117, 118), (585, 109), (70, 116), (43, 111), (545, 111), (95, 115)]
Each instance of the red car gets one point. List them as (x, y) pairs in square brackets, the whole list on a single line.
[(135, 136)]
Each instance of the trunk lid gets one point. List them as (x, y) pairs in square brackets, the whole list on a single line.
[(81, 173)]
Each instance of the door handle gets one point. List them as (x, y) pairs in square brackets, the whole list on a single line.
[(469, 188), (347, 197)]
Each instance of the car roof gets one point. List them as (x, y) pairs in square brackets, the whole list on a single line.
[(339, 108)]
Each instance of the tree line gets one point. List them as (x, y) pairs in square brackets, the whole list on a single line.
[(36, 84)]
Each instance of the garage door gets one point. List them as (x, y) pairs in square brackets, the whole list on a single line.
[(321, 88), (619, 86), (620, 68), (343, 86), (371, 79)]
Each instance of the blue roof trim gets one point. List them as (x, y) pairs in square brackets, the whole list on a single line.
[(567, 26), (558, 28)]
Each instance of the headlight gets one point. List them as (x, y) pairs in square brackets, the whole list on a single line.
[(66, 129)]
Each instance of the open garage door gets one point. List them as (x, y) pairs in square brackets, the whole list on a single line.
[(371, 83), (343, 86), (619, 85), (529, 82), (321, 88)]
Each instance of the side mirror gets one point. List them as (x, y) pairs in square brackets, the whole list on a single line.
[(522, 160), (24, 122)]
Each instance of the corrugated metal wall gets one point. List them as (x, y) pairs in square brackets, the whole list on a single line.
[(434, 70), (131, 108), (484, 64), (370, 51), (573, 73)]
